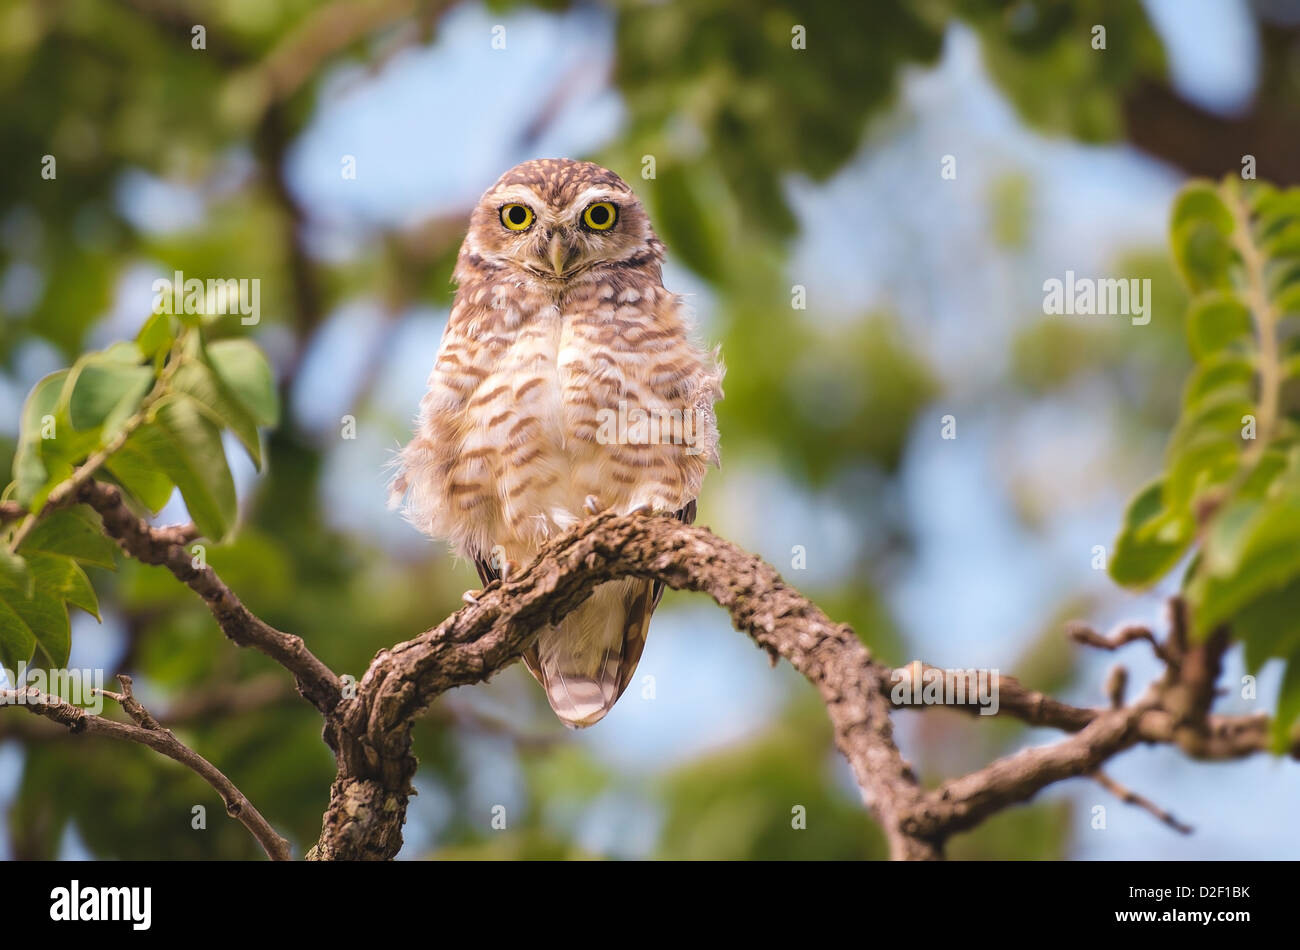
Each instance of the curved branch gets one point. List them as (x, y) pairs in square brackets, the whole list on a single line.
[(368, 801)]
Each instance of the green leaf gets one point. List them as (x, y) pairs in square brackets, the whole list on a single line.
[(1226, 542), (14, 571), (1216, 321), (1271, 203), (242, 367), (1269, 626), (198, 381), (1200, 234), (1230, 375), (1206, 447), (68, 580), (1268, 474), (1218, 418), (17, 641), (1200, 203), (1198, 465), (1253, 548), (106, 393), (30, 470), (1288, 705), (1152, 539), (39, 616), (155, 336), (1282, 242), (75, 532), (186, 445), (134, 470)]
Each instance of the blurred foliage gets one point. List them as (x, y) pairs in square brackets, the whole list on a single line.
[(705, 80), (1025, 41), (1051, 355), (731, 111), (1035, 832), (772, 798)]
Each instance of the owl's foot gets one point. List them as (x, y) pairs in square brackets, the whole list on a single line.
[(507, 570), (592, 505)]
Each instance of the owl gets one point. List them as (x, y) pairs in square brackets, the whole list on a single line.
[(568, 382)]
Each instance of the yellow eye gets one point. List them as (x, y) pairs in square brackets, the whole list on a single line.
[(600, 216), (517, 217)]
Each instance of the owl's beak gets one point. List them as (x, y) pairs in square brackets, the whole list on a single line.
[(561, 252)]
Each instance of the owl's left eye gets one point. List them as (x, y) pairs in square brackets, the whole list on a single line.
[(600, 216), (517, 217)]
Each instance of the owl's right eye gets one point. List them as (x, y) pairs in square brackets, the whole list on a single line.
[(516, 217)]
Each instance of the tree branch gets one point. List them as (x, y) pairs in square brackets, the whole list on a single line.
[(147, 731), (962, 803), (1225, 738), (371, 732), (167, 547), (1122, 636), (1130, 797), (368, 801)]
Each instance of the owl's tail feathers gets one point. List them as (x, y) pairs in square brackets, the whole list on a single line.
[(585, 662)]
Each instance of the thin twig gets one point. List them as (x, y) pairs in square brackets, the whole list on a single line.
[(1130, 797), (1121, 636), (147, 731)]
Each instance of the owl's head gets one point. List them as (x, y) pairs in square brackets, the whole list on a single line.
[(557, 219)]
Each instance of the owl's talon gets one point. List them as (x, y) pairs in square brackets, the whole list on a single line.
[(592, 505), (508, 570), (471, 596)]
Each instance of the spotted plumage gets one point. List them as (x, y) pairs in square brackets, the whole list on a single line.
[(567, 382)]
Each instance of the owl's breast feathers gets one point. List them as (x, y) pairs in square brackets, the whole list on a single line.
[(538, 400)]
